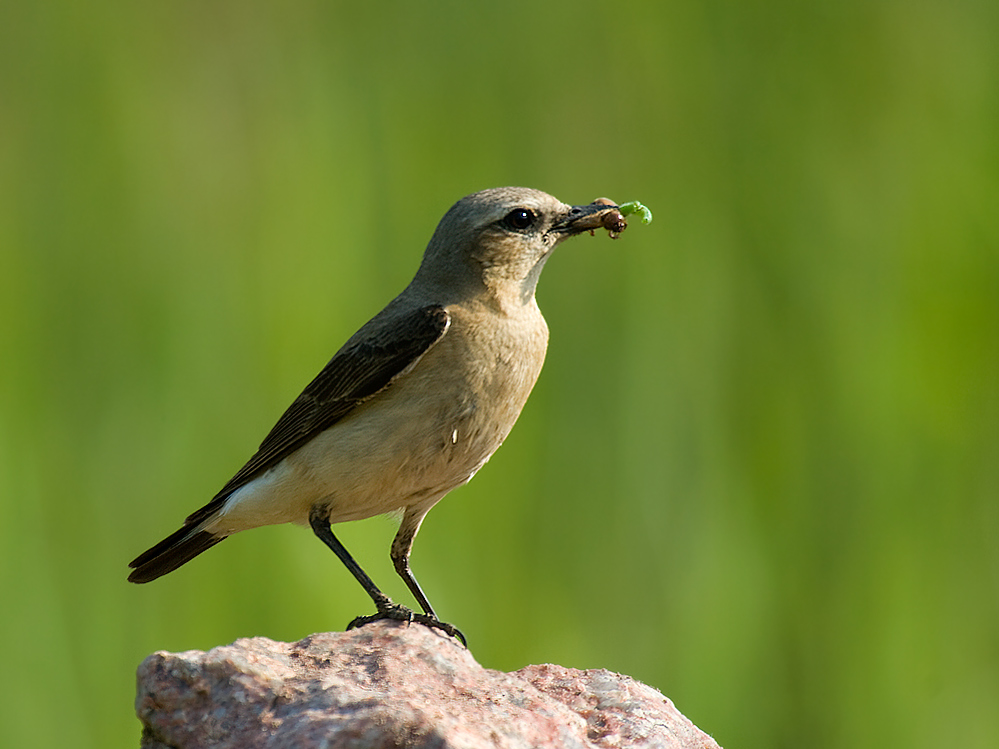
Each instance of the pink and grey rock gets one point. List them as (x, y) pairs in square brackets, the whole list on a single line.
[(392, 685)]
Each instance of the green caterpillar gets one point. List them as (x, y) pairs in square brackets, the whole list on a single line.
[(635, 207)]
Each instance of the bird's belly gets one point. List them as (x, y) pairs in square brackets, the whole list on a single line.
[(396, 462), (428, 433), (378, 460)]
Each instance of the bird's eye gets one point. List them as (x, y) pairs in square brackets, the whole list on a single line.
[(519, 219)]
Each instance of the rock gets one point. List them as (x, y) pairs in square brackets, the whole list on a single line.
[(389, 684)]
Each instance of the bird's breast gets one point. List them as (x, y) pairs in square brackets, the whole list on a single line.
[(431, 429), (476, 380)]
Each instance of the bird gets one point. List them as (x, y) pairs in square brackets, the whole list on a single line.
[(414, 403)]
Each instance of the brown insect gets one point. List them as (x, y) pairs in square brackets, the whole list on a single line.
[(611, 220)]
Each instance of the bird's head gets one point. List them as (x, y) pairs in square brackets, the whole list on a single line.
[(502, 237)]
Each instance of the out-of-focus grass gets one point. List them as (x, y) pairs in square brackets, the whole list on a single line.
[(761, 468)]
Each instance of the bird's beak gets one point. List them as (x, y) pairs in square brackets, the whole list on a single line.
[(600, 214)]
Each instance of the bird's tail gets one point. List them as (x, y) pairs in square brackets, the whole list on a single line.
[(170, 553)]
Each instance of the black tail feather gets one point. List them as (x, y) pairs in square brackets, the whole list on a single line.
[(171, 553)]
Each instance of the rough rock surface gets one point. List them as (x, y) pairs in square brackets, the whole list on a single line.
[(392, 685)]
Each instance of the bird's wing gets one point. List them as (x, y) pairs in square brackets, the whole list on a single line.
[(357, 372)]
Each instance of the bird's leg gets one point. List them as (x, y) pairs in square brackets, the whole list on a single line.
[(387, 609), (401, 546), (320, 523)]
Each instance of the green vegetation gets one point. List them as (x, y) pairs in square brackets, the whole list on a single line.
[(760, 470)]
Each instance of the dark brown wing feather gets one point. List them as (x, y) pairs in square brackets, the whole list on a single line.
[(355, 373), (358, 371)]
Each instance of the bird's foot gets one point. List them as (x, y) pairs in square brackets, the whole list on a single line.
[(400, 613)]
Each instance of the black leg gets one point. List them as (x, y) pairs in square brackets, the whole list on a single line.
[(386, 608), (401, 547), (321, 527)]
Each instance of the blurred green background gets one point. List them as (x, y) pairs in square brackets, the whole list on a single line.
[(760, 471)]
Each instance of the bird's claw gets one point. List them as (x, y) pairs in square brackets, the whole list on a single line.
[(399, 613)]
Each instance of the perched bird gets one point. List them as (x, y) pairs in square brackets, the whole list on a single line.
[(414, 403)]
